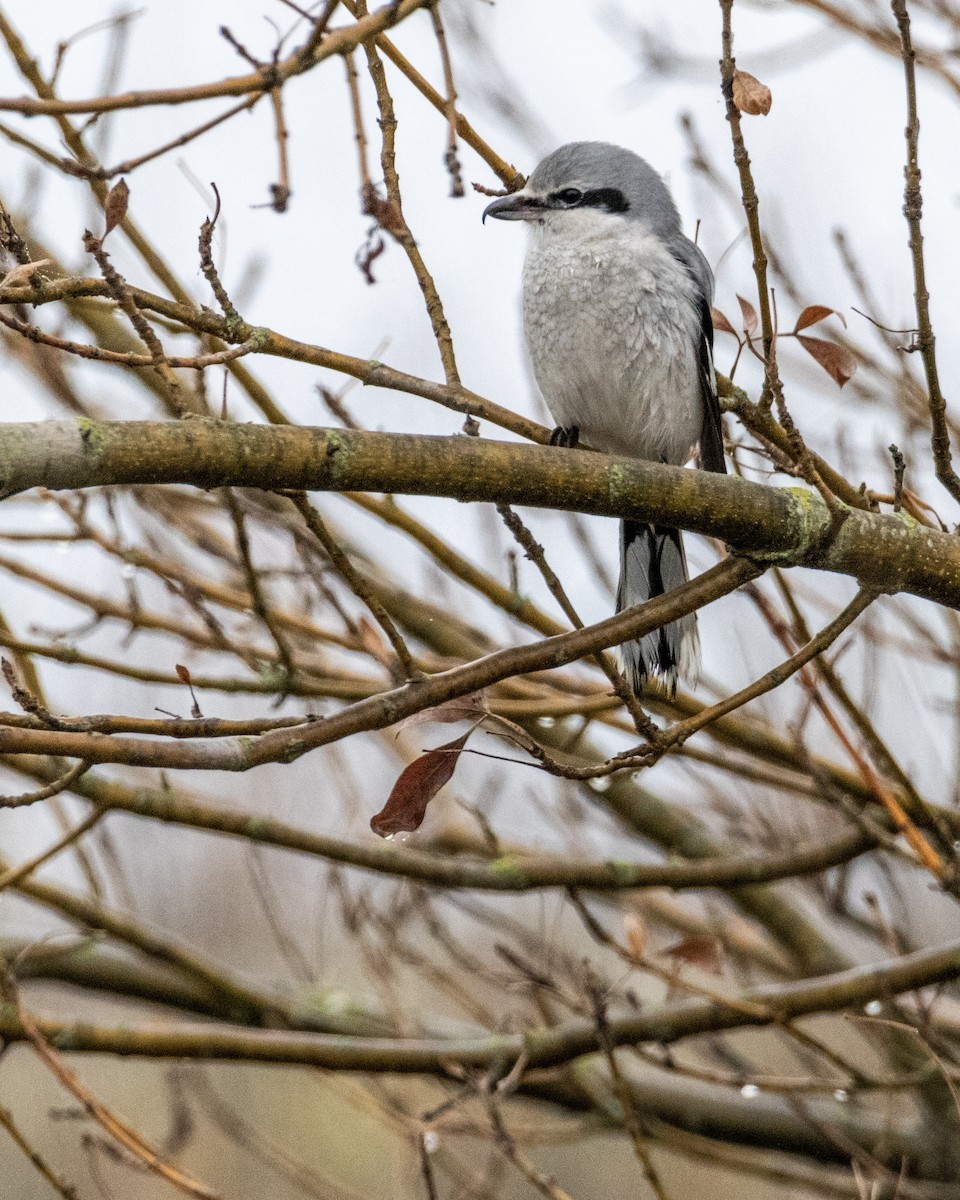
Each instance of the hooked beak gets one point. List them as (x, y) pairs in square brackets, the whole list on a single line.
[(517, 207)]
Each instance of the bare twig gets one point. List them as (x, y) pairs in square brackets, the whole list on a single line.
[(356, 583), (52, 789), (14, 875), (451, 158), (67, 1190), (751, 202), (117, 1128), (912, 209)]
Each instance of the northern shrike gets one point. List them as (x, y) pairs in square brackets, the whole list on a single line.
[(616, 315)]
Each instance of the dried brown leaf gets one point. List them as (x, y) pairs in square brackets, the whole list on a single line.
[(751, 321), (384, 212), (463, 708), (750, 95), (721, 324), (184, 676), (417, 785), (22, 275), (814, 313), (369, 252), (636, 931), (837, 361), (699, 950), (115, 205)]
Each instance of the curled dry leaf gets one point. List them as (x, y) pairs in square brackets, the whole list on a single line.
[(751, 321), (721, 324), (750, 95), (115, 205), (699, 950), (22, 275), (837, 361), (814, 313), (417, 785), (184, 676), (368, 253), (463, 708)]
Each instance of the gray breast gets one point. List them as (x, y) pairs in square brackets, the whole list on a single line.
[(610, 321)]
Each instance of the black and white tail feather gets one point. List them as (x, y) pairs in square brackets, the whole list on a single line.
[(652, 562)]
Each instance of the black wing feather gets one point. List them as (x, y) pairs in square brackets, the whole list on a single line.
[(711, 435), (711, 432)]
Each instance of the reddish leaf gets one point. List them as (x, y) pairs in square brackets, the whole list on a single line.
[(814, 313), (463, 708), (115, 205), (416, 787), (750, 95), (184, 676), (384, 212), (837, 361), (750, 319), (368, 253), (699, 950), (636, 932), (721, 324)]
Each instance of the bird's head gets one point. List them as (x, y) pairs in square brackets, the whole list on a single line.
[(586, 181)]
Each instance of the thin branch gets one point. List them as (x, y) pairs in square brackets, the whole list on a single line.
[(390, 216), (451, 158), (387, 708), (912, 209), (258, 599), (125, 298), (534, 552), (514, 870), (357, 584), (14, 875), (67, 1190), (129, 165), (751, 202), (117, 1128), (196, 362), (336, 41), (280, 191), (52, 789)]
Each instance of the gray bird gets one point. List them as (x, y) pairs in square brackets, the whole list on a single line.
[(616, 316)]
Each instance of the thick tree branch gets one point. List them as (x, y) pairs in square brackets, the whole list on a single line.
[(789, 526), (546, 1047)]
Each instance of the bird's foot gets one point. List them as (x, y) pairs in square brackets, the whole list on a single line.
[(568, 438)]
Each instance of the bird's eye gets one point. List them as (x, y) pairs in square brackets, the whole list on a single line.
[(570, 197)]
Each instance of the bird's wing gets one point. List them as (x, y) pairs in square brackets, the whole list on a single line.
[(711, 433)]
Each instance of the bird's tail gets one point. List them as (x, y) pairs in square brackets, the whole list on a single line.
[(652, 562)]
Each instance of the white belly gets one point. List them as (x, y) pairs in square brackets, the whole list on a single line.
[(611, 325)]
